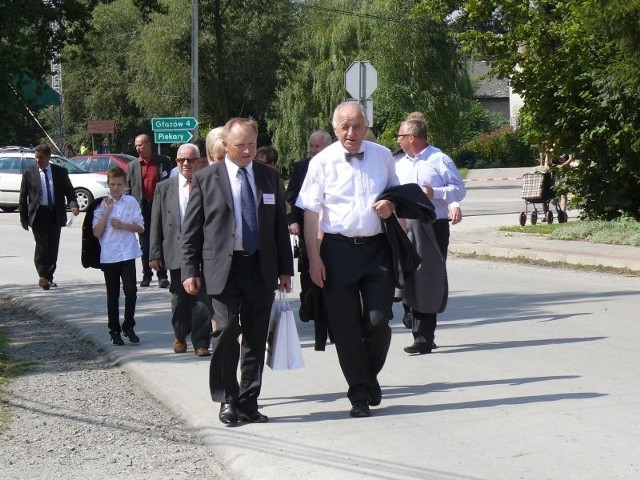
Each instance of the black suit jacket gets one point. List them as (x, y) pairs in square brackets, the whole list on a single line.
[(31, 193), (298, 173), (209, 227)]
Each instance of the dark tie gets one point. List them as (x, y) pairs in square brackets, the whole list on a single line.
[(190, 186), (49, 197), (348, 156), (250, 237)]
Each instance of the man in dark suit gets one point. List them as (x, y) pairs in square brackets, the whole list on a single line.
[(318, 140), (43, 207), (143, 175), (190, 315), (245, 254)]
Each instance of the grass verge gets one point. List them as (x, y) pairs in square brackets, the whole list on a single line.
[(521, 260), (622, 231)]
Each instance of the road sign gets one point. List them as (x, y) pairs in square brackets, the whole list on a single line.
[(360, 79), (101, 126), (169, 124), (174, 136)]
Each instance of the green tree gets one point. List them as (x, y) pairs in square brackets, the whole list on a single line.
[(578, 75), (32, 33)]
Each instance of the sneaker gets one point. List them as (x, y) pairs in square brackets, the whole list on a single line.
[(146, 281), (131, 335), (164, 283), (116, 339)]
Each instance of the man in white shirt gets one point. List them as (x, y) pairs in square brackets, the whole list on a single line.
[(349, 256), (190, 314), (438, 176), (115, 222)]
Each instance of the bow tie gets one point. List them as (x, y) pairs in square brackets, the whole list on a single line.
[(348, 156)]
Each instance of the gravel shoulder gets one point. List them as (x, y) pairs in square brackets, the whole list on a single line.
[(72, 414)]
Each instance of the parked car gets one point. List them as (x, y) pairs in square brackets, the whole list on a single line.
[(103, 162), (14, 161)]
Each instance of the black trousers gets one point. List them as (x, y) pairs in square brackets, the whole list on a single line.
[(113, 272), (424, 324), (191, 314), (243, 307), (358, 294), (145, 241), (46, 233), (305, 279)]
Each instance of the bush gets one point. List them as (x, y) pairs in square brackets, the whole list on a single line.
[(503, 147)]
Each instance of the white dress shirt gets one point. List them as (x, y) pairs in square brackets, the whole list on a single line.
[(232, 169), (343, 192), (183, 195), (433, 168), (118, 245)]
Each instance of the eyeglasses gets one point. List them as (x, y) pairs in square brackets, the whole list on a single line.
[(400, 135), (188, 160)]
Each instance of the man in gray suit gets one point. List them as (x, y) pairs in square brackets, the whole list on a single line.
[(42, 206), (190, 315), (235, 233)]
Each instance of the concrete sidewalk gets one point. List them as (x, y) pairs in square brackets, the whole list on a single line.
[(521, 397)]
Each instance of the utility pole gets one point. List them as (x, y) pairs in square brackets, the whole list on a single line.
[(194, 64)]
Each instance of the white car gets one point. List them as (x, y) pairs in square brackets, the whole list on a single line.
[(14, 161)]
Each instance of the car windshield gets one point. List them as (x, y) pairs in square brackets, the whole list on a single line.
[(127, 158), (70, 166)]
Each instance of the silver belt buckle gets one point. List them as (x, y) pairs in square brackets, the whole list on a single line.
[(358, 240)]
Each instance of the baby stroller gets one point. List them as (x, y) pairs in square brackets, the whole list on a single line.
[(537, 187)]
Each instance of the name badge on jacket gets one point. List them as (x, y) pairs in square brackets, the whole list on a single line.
[(269, 198)]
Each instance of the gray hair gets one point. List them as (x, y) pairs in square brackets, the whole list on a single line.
[(336, 112), (187, 146), (321, 135)]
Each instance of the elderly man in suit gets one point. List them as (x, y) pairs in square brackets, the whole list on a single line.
[(143, 175), (235, 233), (42, 206), (190, 315)]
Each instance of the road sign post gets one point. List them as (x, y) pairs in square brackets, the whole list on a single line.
[(360, 81)]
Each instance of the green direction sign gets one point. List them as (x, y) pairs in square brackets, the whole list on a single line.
[(175, 136), (170, 124)]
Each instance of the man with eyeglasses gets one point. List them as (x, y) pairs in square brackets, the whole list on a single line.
[(143, 175), (438, 176), (190, 314)]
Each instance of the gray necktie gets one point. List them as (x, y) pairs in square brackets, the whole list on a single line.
[(250, 236)]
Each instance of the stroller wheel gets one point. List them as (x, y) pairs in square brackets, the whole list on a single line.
[(562, 216), (549, 217), (534, 217), (523, 218)]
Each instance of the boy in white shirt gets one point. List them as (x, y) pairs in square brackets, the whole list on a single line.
[(115, 224)]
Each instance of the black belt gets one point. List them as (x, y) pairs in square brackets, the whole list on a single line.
[(242, 253), (355, 240)]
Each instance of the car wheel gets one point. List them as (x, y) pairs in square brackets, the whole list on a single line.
[(8, 209), (84, 198)]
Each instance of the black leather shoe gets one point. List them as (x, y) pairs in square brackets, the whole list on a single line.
[(433, 345), (228, 414), (164, 283), (418, 348), (360, 410), (252, 416), (146, 281)]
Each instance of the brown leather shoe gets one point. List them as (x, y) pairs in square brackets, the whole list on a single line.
[(43, 283), (179, 347), (202, 352)]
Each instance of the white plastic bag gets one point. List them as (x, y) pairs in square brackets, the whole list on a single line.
[(283, 344)]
